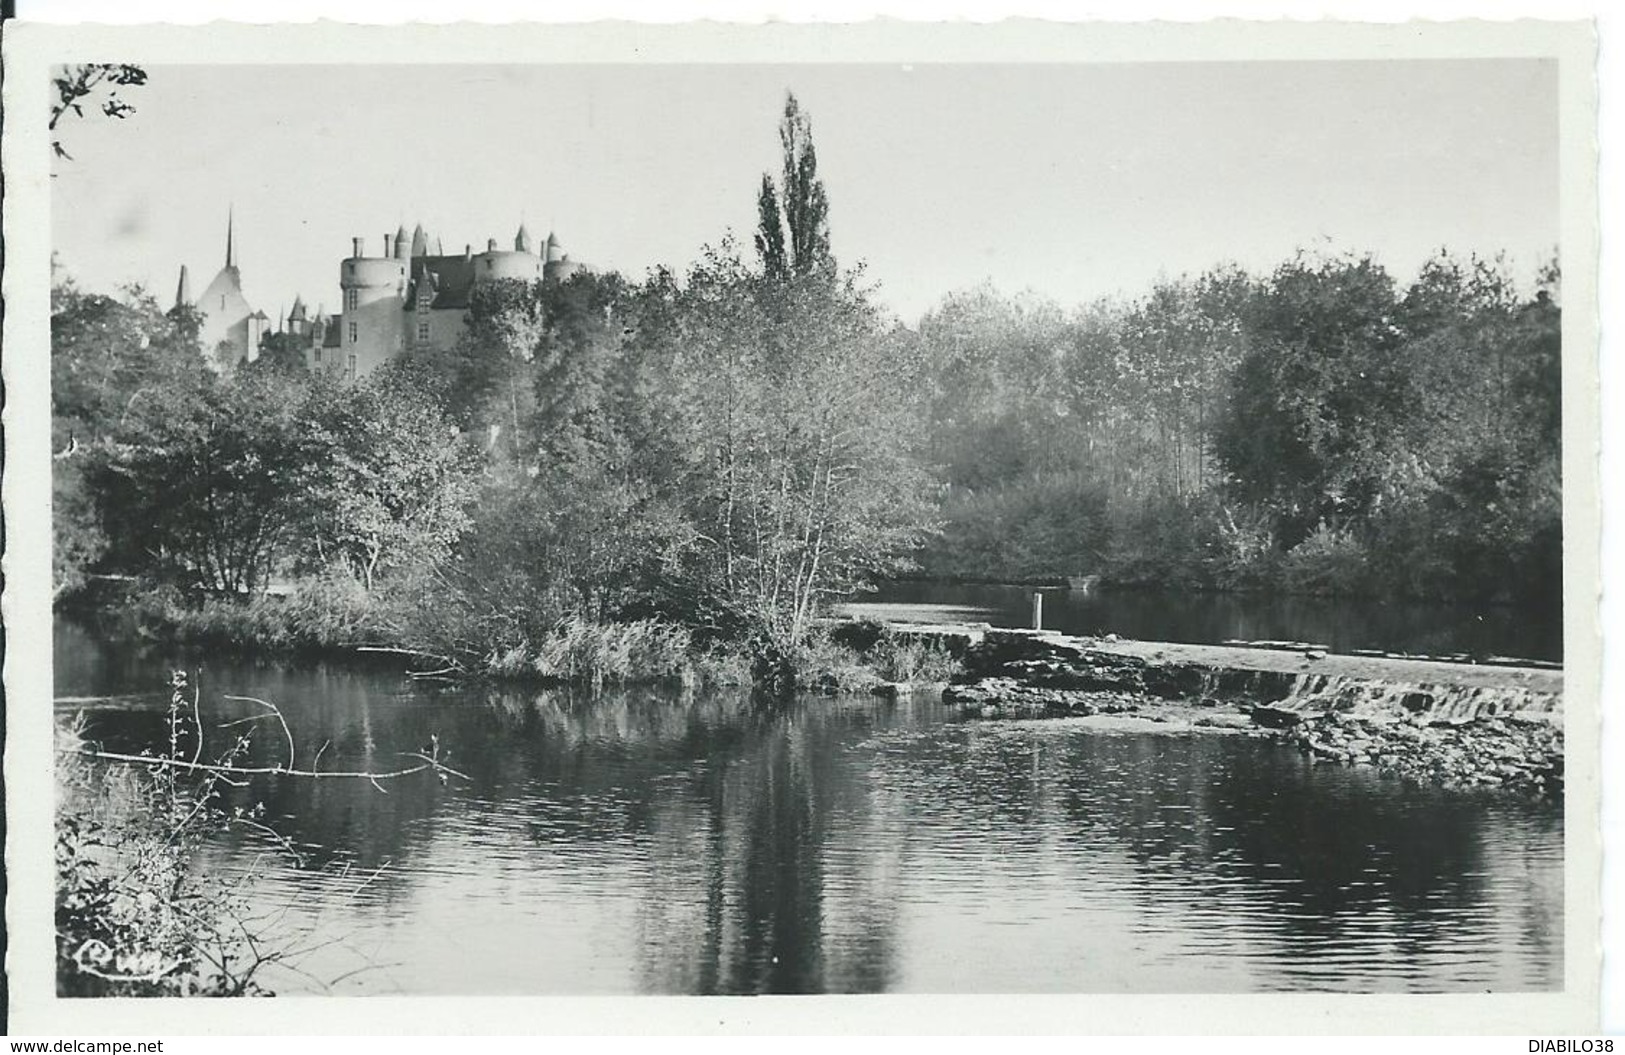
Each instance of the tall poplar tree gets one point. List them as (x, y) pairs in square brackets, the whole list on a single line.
[(792, 236)]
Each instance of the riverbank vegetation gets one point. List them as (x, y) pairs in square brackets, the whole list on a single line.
[(134, 915), (671, 478), (141, 908), (1324, 428)]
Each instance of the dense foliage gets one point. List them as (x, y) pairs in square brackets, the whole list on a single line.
[(727, 451), (223, 483), (1319, 429)]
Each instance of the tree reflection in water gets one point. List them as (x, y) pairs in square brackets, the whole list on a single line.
[(656, 842)]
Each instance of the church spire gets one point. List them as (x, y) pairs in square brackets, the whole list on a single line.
[(183, 290), (231, 258)]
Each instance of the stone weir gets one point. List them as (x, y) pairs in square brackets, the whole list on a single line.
[(1435, 722)]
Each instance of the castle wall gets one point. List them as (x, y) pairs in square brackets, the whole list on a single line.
[(445, 327), (321, 360)]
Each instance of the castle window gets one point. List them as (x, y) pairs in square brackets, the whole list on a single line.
[(423, 331), (352, 368), (317, 352), (352, 333), (351, 298)]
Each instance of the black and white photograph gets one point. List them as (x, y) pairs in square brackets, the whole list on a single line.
[(824, 525)]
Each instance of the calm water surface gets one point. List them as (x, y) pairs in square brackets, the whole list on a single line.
[(640, 842), (1208, 618)]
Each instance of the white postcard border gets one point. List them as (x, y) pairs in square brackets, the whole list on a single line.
[(29, 50)]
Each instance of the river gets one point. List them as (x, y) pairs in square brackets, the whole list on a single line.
[(643, 842), (1342, 624)]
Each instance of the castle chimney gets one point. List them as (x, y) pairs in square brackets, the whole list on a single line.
[(490, 245), (356, 244), (389, 248)]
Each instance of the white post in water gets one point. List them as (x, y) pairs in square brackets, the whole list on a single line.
[(1038, 610)]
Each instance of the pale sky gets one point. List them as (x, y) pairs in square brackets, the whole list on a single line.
[(1071, 181)]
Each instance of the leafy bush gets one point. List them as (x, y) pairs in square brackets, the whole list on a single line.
[(137, 912), (1034, 526), (823, 665), (1489, 528), (78, 541), (330, 611), (1163, 543), (1241, 552), (1329, 561), (135, 916)]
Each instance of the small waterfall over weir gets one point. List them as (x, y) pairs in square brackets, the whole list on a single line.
[(1366, 698), (1384, 689)]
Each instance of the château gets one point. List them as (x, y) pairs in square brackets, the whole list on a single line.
[(405, 299)]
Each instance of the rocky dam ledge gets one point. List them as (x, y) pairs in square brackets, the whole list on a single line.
[(1439, 723)]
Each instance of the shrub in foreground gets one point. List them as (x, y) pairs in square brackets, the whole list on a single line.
[(135, 916)]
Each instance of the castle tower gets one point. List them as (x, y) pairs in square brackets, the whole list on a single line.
[(370, 324), (557, 264), (516, 263), (413, 297)]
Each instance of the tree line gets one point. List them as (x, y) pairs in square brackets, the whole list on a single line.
[(732, 447), (1322, 428)]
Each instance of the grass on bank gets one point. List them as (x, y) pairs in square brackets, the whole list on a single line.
[(333, 615)]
